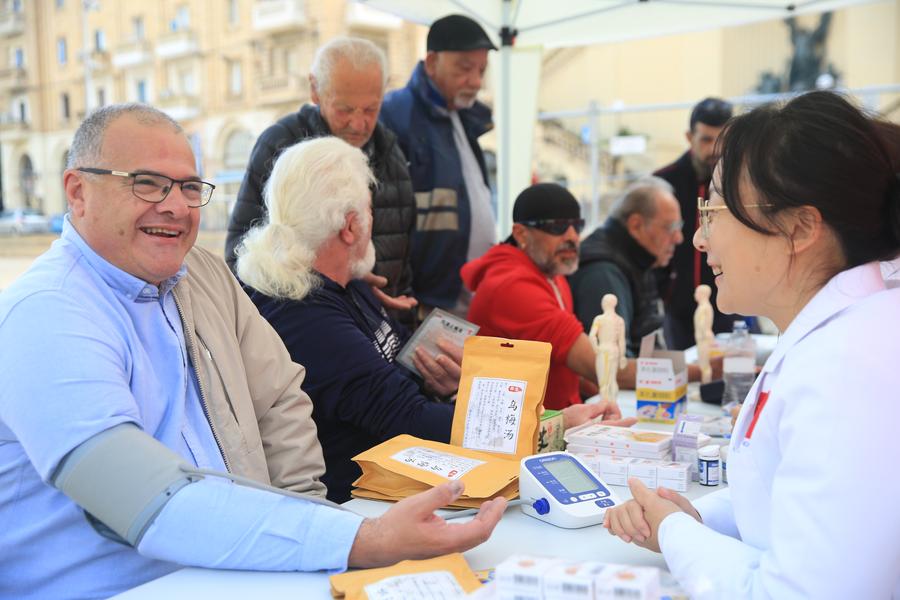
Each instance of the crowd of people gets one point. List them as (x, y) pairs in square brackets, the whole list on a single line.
[(357, 215)]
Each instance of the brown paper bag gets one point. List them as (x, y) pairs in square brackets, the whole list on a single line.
[(501, 395), (446, 573), (406, 465)]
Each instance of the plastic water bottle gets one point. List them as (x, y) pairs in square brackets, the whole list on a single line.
[(738, 365)]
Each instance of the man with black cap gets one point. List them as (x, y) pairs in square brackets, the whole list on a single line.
[(438, 120), (690, 176), (521, 290)]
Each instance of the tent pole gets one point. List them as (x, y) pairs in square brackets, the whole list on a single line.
[(504, 196)]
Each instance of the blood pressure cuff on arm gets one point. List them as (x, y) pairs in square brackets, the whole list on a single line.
[(122, 477)]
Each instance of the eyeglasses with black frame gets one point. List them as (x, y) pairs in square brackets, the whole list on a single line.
[(154, 188), (555, 226)]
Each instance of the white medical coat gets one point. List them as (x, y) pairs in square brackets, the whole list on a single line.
[(813, 505)]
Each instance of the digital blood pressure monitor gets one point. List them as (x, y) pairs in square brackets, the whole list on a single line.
[(565, 492)]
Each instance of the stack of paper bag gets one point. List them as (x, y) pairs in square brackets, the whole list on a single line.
[(442, 577), (406, 465)]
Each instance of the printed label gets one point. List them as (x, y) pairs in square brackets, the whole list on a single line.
[(431, 585), (444, 464), (494, 414), (738, 364)]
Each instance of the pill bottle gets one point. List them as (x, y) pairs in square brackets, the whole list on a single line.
[(708, 465)]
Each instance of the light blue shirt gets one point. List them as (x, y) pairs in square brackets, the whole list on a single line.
[(86, 347)]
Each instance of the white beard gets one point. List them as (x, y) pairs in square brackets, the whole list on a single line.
[(364, 265)]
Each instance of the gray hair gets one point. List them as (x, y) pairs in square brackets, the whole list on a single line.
[(314, 185), (360, 53), (640, 197), (88, 141)]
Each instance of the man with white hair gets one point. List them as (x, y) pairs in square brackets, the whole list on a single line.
[(303, 266), (347, 82)]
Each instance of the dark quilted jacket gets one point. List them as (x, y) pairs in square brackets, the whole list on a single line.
[(393, 203)]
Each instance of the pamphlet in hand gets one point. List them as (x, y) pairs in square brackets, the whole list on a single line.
[(438, 325)]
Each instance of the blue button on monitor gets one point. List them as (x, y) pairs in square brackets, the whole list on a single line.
[(605, 503)]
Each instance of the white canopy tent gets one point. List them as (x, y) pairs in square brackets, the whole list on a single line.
[(523, 28)]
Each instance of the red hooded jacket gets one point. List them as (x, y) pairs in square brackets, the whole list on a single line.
[(514, 299)]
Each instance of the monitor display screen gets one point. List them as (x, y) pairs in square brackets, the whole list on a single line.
[(570, 475)]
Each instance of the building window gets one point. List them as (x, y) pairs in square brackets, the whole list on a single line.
[(17, 6), (182, 19), (60, 3), (99, 40), (101, 97), (235, 78), (137, 28), (64, 106), (62, 54), (233, 12), (186, 82), (23, 112), (19, 58), (141, 90)]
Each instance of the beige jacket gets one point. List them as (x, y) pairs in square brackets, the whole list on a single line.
[(249, 386)]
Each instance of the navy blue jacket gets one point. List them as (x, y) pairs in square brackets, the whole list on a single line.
[(361, 397), (417, 114)]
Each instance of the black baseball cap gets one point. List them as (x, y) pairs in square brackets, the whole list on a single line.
[(545, 202), (457, 33)]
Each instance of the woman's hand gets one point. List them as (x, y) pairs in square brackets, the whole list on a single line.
[(638, 520)]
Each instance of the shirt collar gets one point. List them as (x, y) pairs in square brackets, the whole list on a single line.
[(126, 284), (844, 289)]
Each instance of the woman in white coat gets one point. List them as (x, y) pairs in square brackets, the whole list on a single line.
[(805, 201)]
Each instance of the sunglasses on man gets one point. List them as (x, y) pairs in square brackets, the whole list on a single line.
[(555, 226)]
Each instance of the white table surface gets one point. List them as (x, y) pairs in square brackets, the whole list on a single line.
[(515, 533)]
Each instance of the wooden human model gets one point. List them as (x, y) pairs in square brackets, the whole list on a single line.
[(703, 333), (608, 339)]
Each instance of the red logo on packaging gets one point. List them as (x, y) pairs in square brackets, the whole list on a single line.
[(515, 388)]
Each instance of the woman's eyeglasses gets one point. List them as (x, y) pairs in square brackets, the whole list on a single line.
[(705, 212)]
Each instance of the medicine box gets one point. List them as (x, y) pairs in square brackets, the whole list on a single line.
[(620, 438), (572, 580), (522, 576), (635, 583), (615, 470), (661, 388), (550, 437)]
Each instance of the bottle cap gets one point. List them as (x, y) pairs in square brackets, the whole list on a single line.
[(709, 452)]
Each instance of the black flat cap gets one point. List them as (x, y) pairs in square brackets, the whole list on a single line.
[(457, 33)]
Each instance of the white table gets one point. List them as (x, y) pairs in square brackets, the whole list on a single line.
[(516, 533)]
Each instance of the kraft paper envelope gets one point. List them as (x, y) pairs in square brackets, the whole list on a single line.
[(510, 492), (501, 396), (404, 464), (433, 578)]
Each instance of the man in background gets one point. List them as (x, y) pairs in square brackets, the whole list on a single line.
[(642, 232), (347, 81), (690, 176), (438, 121)]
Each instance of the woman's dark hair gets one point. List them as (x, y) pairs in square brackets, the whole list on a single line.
[(819, 150)]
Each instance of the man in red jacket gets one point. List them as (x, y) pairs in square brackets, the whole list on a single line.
[(521, 290)]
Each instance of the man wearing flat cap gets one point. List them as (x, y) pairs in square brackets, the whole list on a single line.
[(438, 121), (521, 290)]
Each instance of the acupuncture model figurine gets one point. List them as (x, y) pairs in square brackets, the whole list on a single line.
[(608, 338), (703, 333)]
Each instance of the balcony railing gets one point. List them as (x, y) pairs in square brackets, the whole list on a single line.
[(283, 88), (275, 15), (11, 23), (13, 79), (131, 54), (179, 43)]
